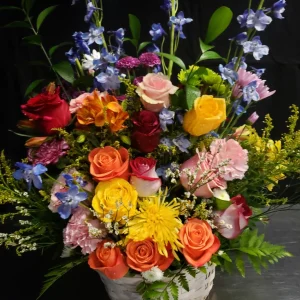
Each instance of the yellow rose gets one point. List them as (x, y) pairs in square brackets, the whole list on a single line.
[(208, 113), (115, 199)]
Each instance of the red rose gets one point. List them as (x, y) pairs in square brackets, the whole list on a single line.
[(241, 201), (146, 133), (48, 110)]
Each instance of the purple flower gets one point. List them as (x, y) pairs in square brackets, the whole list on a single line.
[(255, 46), (259, 20), (179, 115), (182, 143), (128, 63), (242, 19), (31, 174), (72, 55), (250, 93), (179, 21), (80, 42), (242, 65), (138, 80), (238, 109), (166, 6), (153, 48), (258, 72), (109, 79), (69, 200), (94, 35), (166, 141), (240, 38), (48, 153), (227, 73), (110, 57), (149, 59), (162, 170), (278, 8), (119, 36), (156, 31), (166, 117), (90, 9)]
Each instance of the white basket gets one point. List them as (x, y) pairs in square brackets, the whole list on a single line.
[(125, 288)]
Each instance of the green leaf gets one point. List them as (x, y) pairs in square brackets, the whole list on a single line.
[(226, 257), (191, 270), (141, 287), (209, 55), (255, 263), (203, 270), (135, 27), (32, 86), (33, 40), (221, 204), (64, 69), (178, 99), (84, 82), (150, 294), (192, 93), (205, 47), (183, 282), (174, 290), (165, 295), (18, 24), (157, 285), (28, 4), (239, 261), (218, 22), (80, 139), (228, 266), (214, 259), (54, 48), (10, 8), (38, 63), (43, 15), (174, 58), (143, 45), (57, 272)]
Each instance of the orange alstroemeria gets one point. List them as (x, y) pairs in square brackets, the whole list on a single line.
[(102, 109)]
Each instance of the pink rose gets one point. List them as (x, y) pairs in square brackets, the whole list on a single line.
[(231, 152), (155, 90), (212, 180), (144, 178), (233, 219)]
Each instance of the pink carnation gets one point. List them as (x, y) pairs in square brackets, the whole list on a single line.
[(128, 63), (76, 103), (245, 78), (231, 153), (149, 59), (83, 231), (49, 152)]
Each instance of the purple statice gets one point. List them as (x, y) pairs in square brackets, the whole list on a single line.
[(90, 9), (69, 200), (179, 21), (258, 20), (166, 6), (149, 59), (182, 143), (240, 38), (109, 80), (278, 9), (128, 63), (250, 93), (256, 48), (72, 55), (31, 174), (166, 141), (81, 43), (153, 48), (138, 80), (166, 117), (94, 35), (242, 65), (156, 31), (258, 72), (49, 152), (228, 73)]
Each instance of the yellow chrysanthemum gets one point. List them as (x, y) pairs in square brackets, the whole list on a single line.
[(158, 220)]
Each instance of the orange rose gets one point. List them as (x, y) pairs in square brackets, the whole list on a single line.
[(199, 242), (108, 163), (143, 255), (101, 109), (108, 260)]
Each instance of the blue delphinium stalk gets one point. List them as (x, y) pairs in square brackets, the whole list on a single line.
[(166, 6), (70, 200), (90, 9), (31, 174), (256, 48), (250, 93), (72, 55), (81, 43), (240, 38), (258, 72), (278, 9), (156, 31), (94, 35), (153, 48), (93, 61), (182, 143), (237, 108), (179, 21), (228, 73), (109, 79), (166, 117), (242, 62), (258, 20)]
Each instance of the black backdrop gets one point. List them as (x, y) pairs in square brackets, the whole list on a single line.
[(22, 277)]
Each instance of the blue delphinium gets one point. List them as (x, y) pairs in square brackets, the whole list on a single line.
[(179, 21), (258, 72), (119, 36), (166, 117), (278, 9), (250, 93), (72, 55), (31, 174), (153, 48), (255, 46), (258, 20), (228, 73), (182, 143), (93, 61), (242, 65), (166, 141), (238, 109), (70, 200), (242, 19), (166, 6), (241, 38), (110, 56), (161, 171), (81, 43), (156, 31), (109, 79), (94, 35), (90, 9)]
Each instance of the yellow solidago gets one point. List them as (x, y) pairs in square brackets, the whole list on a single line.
[(158, 220)]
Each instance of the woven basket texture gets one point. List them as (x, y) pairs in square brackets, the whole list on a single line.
[(125, 288)]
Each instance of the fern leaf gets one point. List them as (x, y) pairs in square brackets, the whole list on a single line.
[(183, 282), (239, 261), (191, 270), (256, 263), (165, 295), (174, 290)]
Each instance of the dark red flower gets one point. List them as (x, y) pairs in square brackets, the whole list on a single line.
[(48, 110), (146, 133), (240, 200)]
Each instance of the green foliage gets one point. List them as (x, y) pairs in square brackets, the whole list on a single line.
[(192, 93), (54, 48), (57, 272), (209, 55), (18, 24), (32, 86), (43, 15), (174, 58), (64, 69)]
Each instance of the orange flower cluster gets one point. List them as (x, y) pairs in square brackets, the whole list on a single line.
[(102, 109)]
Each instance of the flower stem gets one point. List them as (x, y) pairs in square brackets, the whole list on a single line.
[(172, 39), (261, 4)]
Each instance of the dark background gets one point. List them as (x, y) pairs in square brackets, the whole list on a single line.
[(22, 277)]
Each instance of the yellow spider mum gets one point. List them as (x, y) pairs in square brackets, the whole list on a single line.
[(158, 220)]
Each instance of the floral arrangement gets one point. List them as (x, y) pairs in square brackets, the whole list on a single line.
[(139, 171)]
